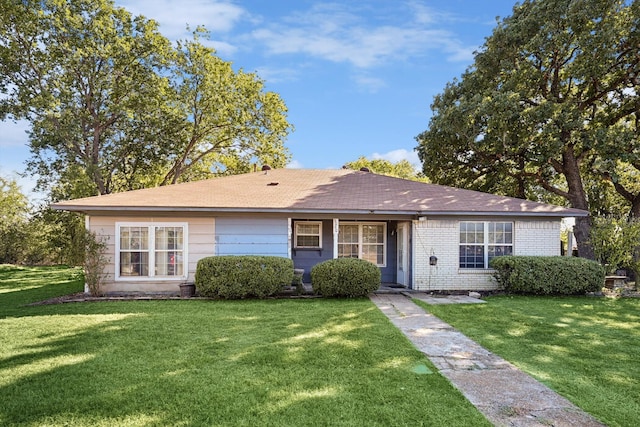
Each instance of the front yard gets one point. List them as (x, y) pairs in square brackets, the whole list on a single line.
[(272, 362), (587, 349)]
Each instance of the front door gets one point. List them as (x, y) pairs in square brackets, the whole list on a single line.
[(402, 272)]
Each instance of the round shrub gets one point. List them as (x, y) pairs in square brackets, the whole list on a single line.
[(345, 277), (236, 277), (543, 275)]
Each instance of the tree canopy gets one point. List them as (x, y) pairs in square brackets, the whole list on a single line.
[(113, 105), (548, 108), (401, 169)]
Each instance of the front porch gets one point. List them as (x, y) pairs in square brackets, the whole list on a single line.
[(384, 243)]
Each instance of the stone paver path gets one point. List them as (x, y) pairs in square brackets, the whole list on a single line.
[(503, 393)]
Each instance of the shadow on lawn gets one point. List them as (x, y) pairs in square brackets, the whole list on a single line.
[(206, 363), (276, 362), (20, 286), (583, 347)]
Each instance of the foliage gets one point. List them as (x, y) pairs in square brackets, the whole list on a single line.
[(37, 236), (542, 275), (236, 277), (278, 362), (95, 261), (551, 96), (14, 219), (401, 169), (345, 277), (584, 348), (113, 106), (616, 243), (85, 74), (227, 121)]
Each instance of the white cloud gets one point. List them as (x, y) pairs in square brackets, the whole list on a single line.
[(295, 164), (398, 155), (369, 84), (222, 48), (174, 16), (277, 75), (337, 34)]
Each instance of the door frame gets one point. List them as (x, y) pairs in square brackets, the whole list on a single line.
[(402, 254)]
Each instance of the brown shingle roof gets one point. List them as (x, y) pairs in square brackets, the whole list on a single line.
[(305, 190)]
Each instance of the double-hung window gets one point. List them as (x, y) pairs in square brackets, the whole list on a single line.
[(480, 242), (151, 250), (308, 234), (363, 240)]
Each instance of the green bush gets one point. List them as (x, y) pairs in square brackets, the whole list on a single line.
[(539, 275), (345, 277), (236, 277)]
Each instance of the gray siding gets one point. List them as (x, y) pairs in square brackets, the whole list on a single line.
[(252, 236)]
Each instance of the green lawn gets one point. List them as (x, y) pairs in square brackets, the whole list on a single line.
[(189, 363), (587, 349)]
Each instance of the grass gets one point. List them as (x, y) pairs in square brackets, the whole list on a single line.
[(210, 363), (587, 349)]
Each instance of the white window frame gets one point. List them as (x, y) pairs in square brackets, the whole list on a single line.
[(152, 251), (296, 233), (485, 243), (361, 244)]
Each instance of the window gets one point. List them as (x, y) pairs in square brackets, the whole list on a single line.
[(364, 240), (480, 242), (308, 235), (151, 250)]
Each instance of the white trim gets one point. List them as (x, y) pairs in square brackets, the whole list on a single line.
[(402, 236), (289, 237), (295, 234), (336, 232), (87, 226), (485, 243), (361, 244), (151, 248)]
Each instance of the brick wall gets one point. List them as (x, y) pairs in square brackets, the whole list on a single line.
[(441, 238)]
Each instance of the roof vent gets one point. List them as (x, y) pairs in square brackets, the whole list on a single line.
[(266, 168), (364, 170)]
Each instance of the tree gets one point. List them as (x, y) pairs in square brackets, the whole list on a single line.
[(85, 74), (112, 103), (401, 169), (616, 243), (547, 94), (227, 120), (14, 219)]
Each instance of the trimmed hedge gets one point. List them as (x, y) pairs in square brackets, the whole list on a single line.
[(541, 275), (236, 277), (345, 277)]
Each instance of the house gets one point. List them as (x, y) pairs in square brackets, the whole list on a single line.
[(422, 236)]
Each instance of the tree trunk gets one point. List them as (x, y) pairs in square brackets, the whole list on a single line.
[(582, 231), (578, 199), (634, 212)]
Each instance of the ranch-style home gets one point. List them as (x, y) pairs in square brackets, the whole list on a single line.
[(422, 236)]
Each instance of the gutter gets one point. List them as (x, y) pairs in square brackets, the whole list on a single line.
[(80, 208)]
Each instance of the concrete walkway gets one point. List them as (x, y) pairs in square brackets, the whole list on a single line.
[(503, 393)]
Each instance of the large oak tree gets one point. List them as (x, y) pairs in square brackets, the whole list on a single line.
[(113, 105), (546, 100)]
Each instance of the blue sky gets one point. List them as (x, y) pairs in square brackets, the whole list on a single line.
[(357, 76)]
